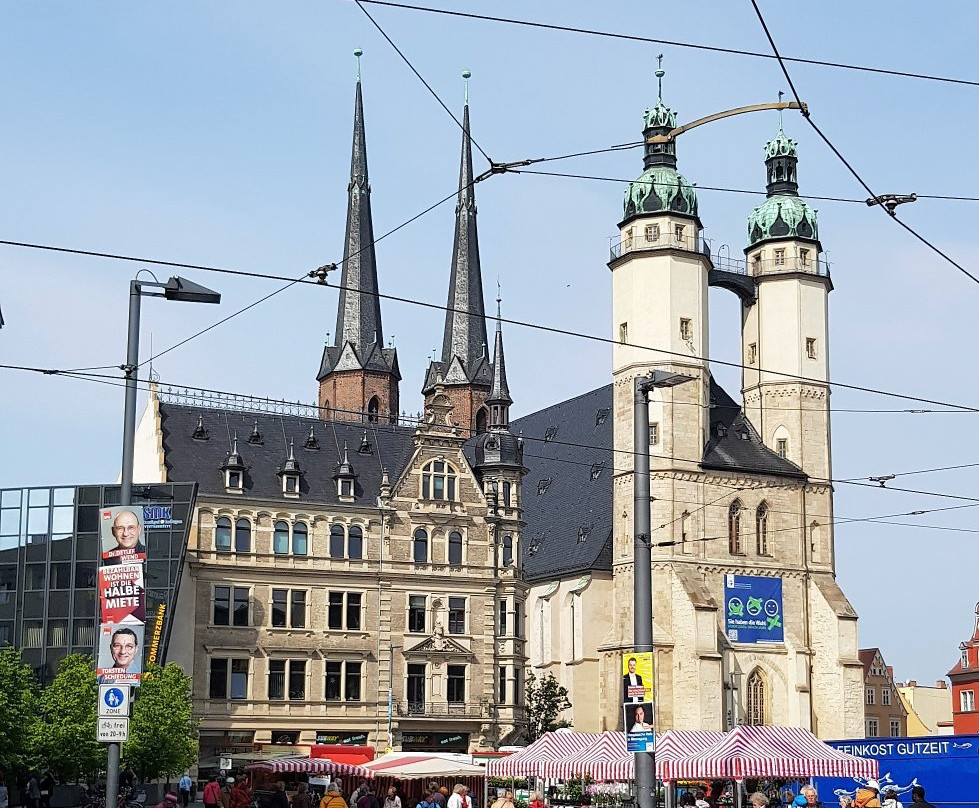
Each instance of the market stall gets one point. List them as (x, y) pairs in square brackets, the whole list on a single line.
[(411, 773), (308, 765), (528, 762)]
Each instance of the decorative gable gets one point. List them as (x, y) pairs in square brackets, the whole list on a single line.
[(438, 644)]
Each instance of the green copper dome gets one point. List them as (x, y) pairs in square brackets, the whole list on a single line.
[(660, 116), (780, 146), (782, 217), (660, 189)]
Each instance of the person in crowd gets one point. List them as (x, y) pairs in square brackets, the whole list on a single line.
[(799, 801), (127, 779), (918, 798), (458, 798), (700, 799), (47, 785), (866, 797), (536, 801), (758, 800), (585, 801), (4, 793), (444, 792), (426, 799), (184, 787), (435, 796), (241, 795), (33, 791), (891, 800), (358, 792), (367, 799), (392, 800), (224, 795), (211, 792), (279, 798), (687, 800), (301, 798), (169, 801), (332, 798), (812, 798)]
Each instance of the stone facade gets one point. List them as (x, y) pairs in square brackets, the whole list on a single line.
[(359, 396), (885, 715)]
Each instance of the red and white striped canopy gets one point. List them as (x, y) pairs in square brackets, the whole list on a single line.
[(768, 752), (308, 765), (549, 747)]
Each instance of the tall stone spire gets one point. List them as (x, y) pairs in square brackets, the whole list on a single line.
[(358, 350), (464, 362), (499, 400)]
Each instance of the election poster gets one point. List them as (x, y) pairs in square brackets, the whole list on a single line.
[(640, 728), (753, 609), (637, 677), (121, 532), (638, 701), (120, 659), (121, 594)]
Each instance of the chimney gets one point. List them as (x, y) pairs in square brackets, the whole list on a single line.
[(912, 682), (890, 671), (941, 684)]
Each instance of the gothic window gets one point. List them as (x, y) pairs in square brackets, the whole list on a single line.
[(755, 697), (455, 548), (243, 536), (623, 333), (222, 534), (373, 406), (419, 548), (811, 347), (481, 421), (735, 544), (752, 353), (439, 481), (686, 328), (761, 528)]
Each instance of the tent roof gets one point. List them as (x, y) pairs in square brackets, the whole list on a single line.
[(412, 766), (310, 766), (768, 752), (550, 746)]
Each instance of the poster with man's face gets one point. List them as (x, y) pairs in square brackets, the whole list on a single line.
[(120, 653), (121, 531)]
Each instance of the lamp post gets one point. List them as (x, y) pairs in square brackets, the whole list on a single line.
[(174, 289), (642, 558)]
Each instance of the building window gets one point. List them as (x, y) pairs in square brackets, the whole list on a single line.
[(243, 536), (782, 447), (761, 528), (651, 233), (457, 615), (417, 673), (419, 547), (734, 528), (373, 406), (300, 539), (811, 347), (501, 684), (507, 550), (345, 488), (895, 728), (229, 679), (355, 542), (685, 532), (230, 606), (686, 328), (678, 233), (506, 494), (623, 333), (885, 696), (417, 613), (343, 681), (654, 434), (343, 611), (804, 257), (455, 548), (755, 699), (222, 534), (967, 701), (502, 620), (234, 480), (756, 263), (456, 689), (517, 619), (283, 672), (965, 657), (752, 353), (336, 541), (439, 481), (289, 608), (280, 538), (628, 239), (779, 258), (871, 695), (872, 730)]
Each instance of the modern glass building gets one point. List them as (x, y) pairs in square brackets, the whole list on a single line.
[(49, 558)]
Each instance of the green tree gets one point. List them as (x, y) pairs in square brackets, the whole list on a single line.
[(18, 710), (67, 741), (546, 700), (162, 730)]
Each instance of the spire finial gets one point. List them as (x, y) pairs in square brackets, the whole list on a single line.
[(499, 299), (780, 95), (466, 75), (292, 454), (234, 443), (659, 74), (358, 52)]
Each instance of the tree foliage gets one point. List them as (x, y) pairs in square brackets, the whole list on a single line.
[(546, 700), (162, 730), (19, 703), (66, 735)]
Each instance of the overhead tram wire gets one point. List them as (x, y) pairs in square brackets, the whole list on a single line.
[(846, 163), (673, 43)]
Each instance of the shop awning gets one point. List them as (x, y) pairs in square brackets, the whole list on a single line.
[(529, 762), (307, 765), (421, 766)]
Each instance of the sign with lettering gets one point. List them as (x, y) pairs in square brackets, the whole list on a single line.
[(156, 517), (121, 594), (113, 730), (753, 609), (113, 700)]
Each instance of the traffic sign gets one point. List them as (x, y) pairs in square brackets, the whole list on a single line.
[(113, 730), (114, 700)]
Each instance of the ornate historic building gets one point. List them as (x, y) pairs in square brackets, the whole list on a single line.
[(356, 579), (739, 487)]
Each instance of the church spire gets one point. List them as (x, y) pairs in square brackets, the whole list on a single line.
[(499, 400)]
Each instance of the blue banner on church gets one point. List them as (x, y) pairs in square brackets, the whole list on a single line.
[(753, 609)]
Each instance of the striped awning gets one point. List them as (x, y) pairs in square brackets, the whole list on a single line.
[(529, 762), (307, 765), (788, 752)]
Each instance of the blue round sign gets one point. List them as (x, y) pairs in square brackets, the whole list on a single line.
[(114, 697)]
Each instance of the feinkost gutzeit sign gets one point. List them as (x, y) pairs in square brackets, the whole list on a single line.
[(753, 609)]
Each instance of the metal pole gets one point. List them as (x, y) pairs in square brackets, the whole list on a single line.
[(126, 490), (642, 571), (390, 695)]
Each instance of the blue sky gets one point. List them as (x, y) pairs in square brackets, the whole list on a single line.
[(218, 133)]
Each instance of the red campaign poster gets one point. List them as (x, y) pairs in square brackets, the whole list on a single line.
[(120, 659), (121, 594), (121, 532)]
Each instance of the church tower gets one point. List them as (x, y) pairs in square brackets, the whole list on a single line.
[(358, 376), (463, 372)]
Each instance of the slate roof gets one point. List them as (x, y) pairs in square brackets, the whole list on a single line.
[(567, 493), (201, 460)]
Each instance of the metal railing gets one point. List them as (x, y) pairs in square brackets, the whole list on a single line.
[(653, 237), (441, 709), (771, 266)]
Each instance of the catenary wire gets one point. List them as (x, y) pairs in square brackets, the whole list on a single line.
[(673, 43)]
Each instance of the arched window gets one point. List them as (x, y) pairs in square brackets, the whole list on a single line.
[(373, 406), (337, 537), (420, 547), (438, 481), (355, 542), (755, 696), (761, 528), (481, 419), (455, 547), (734, 528), (300, 539), (280, 538), (243, 536), (222, 534), (506, 494), (507, 550)]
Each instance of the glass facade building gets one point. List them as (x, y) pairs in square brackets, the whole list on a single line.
[(49, 559)]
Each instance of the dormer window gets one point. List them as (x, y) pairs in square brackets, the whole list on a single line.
[(233, 480), (346, 489), (965, 657), (234, 470), (289, 474), (439, 481), (346, 479), (290, 484)]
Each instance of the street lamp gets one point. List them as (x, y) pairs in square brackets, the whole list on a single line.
[(642, 557), (174, 289)]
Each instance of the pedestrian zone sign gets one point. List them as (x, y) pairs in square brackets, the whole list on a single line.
[(113, 730), (114, 700)]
